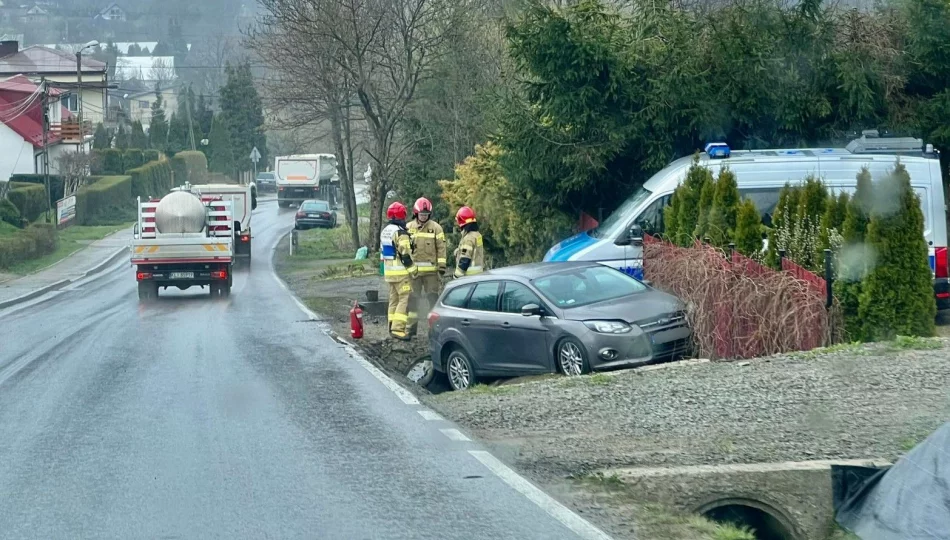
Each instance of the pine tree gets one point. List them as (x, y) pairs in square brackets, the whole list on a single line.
[(671, 217), (177, 133), (897, 295), (243, 114), (706, 195), (122, 138), (686, 215), (203, 116), (748, 237), (221, 148), (852, 258), (782, 218), (138, 139), (101, 140), (722, 216), (158, 127)]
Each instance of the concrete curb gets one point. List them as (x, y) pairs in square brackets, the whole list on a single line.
[(62, 283)]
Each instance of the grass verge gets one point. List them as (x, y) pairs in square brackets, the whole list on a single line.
[(71, 240)]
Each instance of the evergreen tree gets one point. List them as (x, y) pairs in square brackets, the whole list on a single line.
[(785, 209), (138, 139), (722, 215), (203, 116), (178, 133), (748, 237), (101, 139), (671, 217), (158, 127), (706, 195), (221, 148), (897, 295), (851, 263), (856, 219), (243, 115), (122, 138)]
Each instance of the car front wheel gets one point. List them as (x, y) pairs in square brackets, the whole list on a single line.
[(458, 369), (572, 358)]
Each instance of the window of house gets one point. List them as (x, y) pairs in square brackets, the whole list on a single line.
[(70, 101), (143, 104)]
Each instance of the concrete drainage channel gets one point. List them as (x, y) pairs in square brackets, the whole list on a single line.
[(780, 501)]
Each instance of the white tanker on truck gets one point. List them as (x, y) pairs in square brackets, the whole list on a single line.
[(183, 241), (243, 199)]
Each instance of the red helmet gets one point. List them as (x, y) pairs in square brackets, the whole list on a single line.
[(422, 205), (396, 210), (464, 216)]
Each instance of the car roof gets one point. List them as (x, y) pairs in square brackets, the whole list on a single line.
[(308, 201), (537, 270)]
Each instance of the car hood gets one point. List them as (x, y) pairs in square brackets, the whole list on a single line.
[(637, 307)]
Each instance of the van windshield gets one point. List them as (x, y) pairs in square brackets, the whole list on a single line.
[(621, 215)]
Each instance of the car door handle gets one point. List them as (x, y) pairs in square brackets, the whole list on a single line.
[(465, 322)]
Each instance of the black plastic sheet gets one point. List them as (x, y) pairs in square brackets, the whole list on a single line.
[(908, 501)]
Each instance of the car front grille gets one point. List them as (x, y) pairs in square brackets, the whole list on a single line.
[(666, 320), (671, 350)]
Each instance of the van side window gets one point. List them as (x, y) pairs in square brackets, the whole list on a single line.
[(765, 200), (651, 219)]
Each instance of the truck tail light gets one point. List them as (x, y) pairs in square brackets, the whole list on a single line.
[(245, 238), (280, 188), (219, 274), (432, 319), (139, 276), (301, 214), (941, 269)]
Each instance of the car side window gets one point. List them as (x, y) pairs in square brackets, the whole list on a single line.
[(485, 297), (516, 296), (457, 296), (651, 219), (765, 201)]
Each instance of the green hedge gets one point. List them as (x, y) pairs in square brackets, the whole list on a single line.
[(113, 161), (30, 243), (190, 166), (30, 199), (9, 213), (154, 179), (107, 201), (55, 184)]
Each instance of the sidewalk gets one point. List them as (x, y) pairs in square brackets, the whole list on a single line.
[(87, 261)]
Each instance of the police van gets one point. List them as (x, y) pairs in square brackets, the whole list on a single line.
[(760, 175)]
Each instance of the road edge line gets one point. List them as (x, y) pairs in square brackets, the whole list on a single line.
[(404, 395), (105, 264), (552, 507)]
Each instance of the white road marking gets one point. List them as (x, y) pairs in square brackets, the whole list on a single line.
[(429, 415), (558, 511), (455, 435)]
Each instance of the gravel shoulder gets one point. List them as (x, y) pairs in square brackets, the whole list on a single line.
[(872, 401)]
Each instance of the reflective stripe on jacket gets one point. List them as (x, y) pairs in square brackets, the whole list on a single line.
[(394, 244), (470, 247)]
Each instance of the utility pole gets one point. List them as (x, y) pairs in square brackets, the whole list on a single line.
[(191, 129), (45, 101), (79, 96)]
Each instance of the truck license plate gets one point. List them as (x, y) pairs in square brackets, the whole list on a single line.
[(182, 275)]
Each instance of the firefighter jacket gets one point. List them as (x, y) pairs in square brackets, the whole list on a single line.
[(395, 246), (470, 254), (429, 242)]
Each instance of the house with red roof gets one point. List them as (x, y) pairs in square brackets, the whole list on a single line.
[(21, 128)]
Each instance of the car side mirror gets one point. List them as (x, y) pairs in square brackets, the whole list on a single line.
[(633, 237), (530, 310)]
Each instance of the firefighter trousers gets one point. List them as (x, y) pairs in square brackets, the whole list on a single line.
[(425, 291), (399, 293)]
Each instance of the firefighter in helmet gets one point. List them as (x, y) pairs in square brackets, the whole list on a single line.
[(399, 269), (470, 254), (428, 241)]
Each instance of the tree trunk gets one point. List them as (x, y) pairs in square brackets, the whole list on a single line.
[(351, 171), (346, 174)]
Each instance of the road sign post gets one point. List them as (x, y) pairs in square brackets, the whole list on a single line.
[(255, 157)]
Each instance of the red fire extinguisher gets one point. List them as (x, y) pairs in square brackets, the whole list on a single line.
[(356, 321)]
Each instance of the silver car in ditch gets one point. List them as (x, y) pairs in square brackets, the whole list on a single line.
[(539, 318)]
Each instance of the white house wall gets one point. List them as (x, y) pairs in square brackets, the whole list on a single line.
[(16, 155)]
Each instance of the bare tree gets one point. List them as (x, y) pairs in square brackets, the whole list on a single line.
[(376, 52), (162, 72), (209, 56), (75, 168)]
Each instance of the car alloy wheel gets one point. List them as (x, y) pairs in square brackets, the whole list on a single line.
[(571, 358), (459, 371)]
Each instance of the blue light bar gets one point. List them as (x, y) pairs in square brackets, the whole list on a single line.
[(718, 150)]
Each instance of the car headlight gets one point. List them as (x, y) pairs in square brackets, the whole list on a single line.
[(608, 327)]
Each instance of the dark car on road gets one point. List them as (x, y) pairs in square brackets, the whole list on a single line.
[(570, 317), (266, 182), (314, 213)]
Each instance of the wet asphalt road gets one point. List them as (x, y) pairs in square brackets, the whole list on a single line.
[(234, 418)]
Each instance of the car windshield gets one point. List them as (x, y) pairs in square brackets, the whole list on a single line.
[(318, 206), (621, 215), (588, 285)]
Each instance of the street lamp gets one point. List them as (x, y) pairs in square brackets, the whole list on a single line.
[(93, 43)]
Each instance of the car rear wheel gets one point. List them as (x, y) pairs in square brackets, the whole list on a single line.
[(458, 369), (571, 358)]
